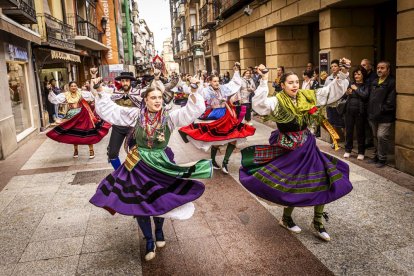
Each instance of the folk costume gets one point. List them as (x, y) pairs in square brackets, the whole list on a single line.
[(292, 171), (224, 127), (80, 126), (243, 99), (131, 98), (149, 183)]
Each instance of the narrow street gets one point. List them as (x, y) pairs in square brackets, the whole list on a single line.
[(48, 227)]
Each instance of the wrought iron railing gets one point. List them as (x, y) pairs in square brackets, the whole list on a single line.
[(209, 12), (54, 31), (196, 33), (84, 27), (26, 6)]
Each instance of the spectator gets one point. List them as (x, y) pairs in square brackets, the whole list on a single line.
[(371, 75), (334, 118), (276, 84), (226, 77), (54, 108), (309, 67), (307, 79), (355, 112), (246, 94), (381, 111), (315, 79)]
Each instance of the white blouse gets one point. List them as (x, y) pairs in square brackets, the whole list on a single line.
[(61, 98), (127, 116), (264, 105)]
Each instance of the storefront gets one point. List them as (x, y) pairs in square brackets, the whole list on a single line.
[(19, 116)]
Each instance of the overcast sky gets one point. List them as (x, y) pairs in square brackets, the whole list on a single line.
[(157, 15)]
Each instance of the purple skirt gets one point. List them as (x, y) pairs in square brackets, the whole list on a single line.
[(144, 191), (301, 177)]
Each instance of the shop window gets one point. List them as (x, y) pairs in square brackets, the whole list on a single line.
[(19, 96)]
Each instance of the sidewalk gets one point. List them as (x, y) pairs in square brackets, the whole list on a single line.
[(48, 227)]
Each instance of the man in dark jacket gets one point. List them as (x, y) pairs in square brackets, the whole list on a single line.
[(381, 111)]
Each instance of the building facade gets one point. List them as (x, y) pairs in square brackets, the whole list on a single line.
[(19, 112), (168, 57)]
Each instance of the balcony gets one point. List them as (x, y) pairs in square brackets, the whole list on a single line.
[(209, 13), (87, 35), (196, 34), (21, 11), (54, 32), (229, 7)]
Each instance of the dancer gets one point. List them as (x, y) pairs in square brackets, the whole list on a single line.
[(149, 183), (80, 126), (226, 127), (292, 171), (128, 96)]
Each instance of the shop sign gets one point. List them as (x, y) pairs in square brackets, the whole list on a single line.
[(106, 8), (17, 53), (64, 56), (116, 67), (198, 52)]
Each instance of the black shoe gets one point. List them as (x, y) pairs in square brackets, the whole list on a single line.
[(215, 165), (224, 168), (373, 160), (159, 237), (381, 164)]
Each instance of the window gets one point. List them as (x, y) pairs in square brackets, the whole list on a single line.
[(19, 96)]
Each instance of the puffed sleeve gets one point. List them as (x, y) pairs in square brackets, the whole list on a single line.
[(56, 99), (261, 103), (187, 114), (113, 113), (333, 91), (88, 96), (233, 86)]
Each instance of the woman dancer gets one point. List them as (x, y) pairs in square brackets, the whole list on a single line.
[(292, 171), (80, 126), (149, 183), (226, 127)]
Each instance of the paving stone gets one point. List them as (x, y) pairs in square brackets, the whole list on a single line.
[(7, 270), (72, 197), (110, 263), (59, 266), (402, 258), (62, 224), (52, 249), (12, 249)]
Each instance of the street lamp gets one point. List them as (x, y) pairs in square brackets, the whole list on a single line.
[(104, 21)]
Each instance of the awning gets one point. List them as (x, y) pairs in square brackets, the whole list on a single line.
[(64, 56), (90, 43), (12, 27)]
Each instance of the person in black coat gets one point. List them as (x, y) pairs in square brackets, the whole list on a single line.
[(381, 111), (355, 112)]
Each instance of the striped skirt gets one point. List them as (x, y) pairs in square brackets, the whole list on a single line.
[(301, 177)]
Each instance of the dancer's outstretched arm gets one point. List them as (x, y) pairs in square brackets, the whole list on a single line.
[(56, 99), (113, 113), (234, 85), (189, 113), (261, 103), (334, 91)]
